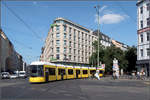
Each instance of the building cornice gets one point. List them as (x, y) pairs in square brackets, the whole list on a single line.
[(60, 18), (143, 30), (139, 2)]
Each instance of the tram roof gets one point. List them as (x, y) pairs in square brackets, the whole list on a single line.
[(41, 63)]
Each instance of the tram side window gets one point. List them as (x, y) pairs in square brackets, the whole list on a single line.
[(78, 71), (70, 71), (101, 72), (92, 71), (36, 70), (51, 71), (84, 71), (61, 71)]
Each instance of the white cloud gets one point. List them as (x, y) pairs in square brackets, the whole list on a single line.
[(112, 18), (109, 17)]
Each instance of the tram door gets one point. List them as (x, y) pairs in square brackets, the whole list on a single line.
[(46, 75), (77, 73)]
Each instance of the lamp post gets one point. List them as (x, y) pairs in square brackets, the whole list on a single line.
[(98, 27)]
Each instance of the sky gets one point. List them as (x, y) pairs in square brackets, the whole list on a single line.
[(26, 23)]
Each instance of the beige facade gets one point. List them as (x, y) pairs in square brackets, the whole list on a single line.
[(10, 60), (68, 42)]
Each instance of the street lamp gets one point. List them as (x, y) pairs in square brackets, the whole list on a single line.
[(97, 11)]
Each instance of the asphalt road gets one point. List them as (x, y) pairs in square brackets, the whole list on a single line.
[(105, 89)]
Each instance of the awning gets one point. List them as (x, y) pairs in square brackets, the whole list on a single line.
[(147, 61)]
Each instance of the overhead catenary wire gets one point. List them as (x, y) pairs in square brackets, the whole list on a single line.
[(20, 43), (20, 19), (134, 20)]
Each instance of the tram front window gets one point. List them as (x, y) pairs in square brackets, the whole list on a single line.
[(36, 70)]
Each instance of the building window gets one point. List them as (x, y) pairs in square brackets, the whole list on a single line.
[(78, 52), (57, 56), (52, 35), (148, 36), (148, 22), (65, 57), (69, 50), (74, 45), (141, 37), (70, 30), (57, 49), (57, 35), (79, 46), (57, 28), (69, 57), (78, 58), (70, 44), (141, 24), (148, 51), (65, 35), (65, 42), (74, 51), (57, 42), (74, 58), (148, 6), (52, 50), (141, 10), (82, 53), (141, 52), (82, 59), (74, 31), (82, 35), (65, 27), (64, 49), (70, 36), (52, 43)]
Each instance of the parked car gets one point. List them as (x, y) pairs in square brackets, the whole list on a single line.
[(13, 76), (22, 74), (5, 75)]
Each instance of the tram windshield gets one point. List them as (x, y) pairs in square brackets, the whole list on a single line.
[(36, 70)]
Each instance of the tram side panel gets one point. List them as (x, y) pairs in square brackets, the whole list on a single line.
[(52, 71), (61, 73), (85, 73), (70, 74)]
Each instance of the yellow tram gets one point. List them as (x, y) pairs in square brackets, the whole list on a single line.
[(44, 72)]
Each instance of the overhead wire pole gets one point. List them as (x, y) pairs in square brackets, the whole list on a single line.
[(98, 27)]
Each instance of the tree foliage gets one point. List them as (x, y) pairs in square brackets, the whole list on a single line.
[(126, 59)]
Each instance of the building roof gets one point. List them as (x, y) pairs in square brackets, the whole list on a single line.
[(77, 25), (96, 34), (139, 2)]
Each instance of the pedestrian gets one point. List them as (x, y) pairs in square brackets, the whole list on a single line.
[(138, 75), (114, 75), (97, 75)]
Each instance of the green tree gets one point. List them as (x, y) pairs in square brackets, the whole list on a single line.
[(111, 53), (106, 56), (131, 57), (93, 58)]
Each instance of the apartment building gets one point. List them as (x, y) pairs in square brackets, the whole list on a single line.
[(10, 60), (104, 39), (143, 31), (70, 43)]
